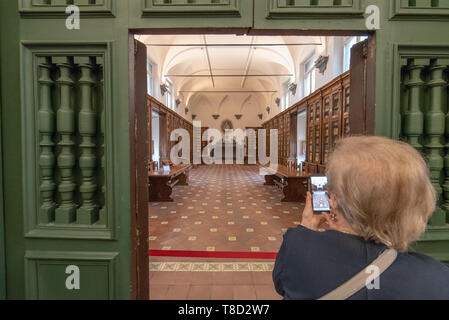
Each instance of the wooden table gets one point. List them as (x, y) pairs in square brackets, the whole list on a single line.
[(294, 184), (161, 183)]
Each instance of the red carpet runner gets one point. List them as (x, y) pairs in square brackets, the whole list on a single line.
[(213, 254)]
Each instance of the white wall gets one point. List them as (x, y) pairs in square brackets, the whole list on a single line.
[(155, 135), (332, 47), (302, 132), (249, 106), (335, 63)]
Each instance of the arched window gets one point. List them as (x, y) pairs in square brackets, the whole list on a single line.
[(170, 95), (285, 96), (309, 76), (150, 78)]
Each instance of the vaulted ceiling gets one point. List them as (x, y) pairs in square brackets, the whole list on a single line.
[(212, 67)]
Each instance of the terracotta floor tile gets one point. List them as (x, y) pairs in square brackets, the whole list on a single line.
[(264, 292), (171, 278), (158, 292), (200, 278), (162, 278), (242, 278), (177, 292), (222, 292), (244, 292), (200, 292), (262, 278), (222, 278)]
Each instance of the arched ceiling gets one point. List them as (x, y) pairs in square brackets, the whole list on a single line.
[(198, 64)]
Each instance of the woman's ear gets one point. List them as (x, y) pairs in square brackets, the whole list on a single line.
[(333, 202)]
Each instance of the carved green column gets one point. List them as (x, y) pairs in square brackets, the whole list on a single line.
[(65, 214), (46, 130), (413, 117), (88, 212), (440, 88), (435, 130), (102, 124)]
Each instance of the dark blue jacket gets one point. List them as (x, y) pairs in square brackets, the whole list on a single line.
[(311, 264)]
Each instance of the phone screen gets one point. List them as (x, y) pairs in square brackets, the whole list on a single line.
[(318, 188)]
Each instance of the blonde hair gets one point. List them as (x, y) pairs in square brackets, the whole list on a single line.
[(383, 189)]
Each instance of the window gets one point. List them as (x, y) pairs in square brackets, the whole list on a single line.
[(301, 135), (170, 95), (150, 78), (155, 152), (347, 51), (286, 97), (309, 76)]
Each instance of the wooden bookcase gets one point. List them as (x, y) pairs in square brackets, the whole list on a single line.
[(169, 120), (328, 110), (251, 146)]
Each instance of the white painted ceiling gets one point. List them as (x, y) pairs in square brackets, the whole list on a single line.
[(227, 55)]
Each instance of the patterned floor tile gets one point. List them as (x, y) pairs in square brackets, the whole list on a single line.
[(231, 199)]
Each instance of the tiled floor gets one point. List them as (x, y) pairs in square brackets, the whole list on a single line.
[(212, 286), (224, 208), (215, 266)]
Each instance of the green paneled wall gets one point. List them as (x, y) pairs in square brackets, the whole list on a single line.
[(65, 118), (191, 14), (306, 9), (419, 9), (55, 8), (190, 8)]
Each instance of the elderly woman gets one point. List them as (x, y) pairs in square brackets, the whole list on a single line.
[(381, 198)]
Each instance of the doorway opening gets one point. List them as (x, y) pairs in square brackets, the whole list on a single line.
[(224, 221), (301, 136), (155, 138)]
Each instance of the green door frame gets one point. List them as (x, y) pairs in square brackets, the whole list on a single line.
[(2, 224), (10, 174)]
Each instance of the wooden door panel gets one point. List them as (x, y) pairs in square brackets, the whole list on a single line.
[(346, 94), (363, 82), (139, 142)]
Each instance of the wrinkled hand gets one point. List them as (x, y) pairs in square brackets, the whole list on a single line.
[(309, 219)]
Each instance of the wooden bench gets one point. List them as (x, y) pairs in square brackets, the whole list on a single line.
[(161, 183), (293, 183)]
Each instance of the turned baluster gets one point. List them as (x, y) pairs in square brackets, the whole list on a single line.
[(47, 130)]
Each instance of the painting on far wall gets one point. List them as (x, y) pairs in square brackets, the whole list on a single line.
[(226, 125)]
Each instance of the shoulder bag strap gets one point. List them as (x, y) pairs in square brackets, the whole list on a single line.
[(353, 285)]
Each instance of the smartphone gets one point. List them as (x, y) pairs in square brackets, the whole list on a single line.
[(318, 189)]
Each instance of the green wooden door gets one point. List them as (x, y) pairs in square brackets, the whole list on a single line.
[(65, 120), (67, 166)]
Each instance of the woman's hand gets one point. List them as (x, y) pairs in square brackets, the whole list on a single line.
[(309, 219)]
